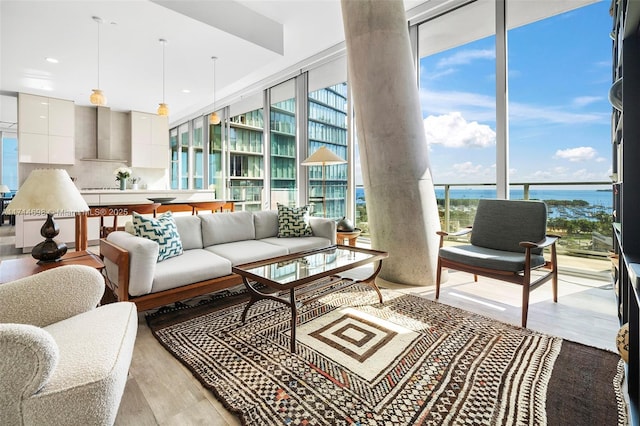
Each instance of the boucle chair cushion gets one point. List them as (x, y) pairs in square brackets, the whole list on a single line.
[(51, 296), (29, 357), (95, 354)]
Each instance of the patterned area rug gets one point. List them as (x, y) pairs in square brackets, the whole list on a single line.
[(408, 361)]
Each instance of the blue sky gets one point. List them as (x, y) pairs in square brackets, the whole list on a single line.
[(559, 78)]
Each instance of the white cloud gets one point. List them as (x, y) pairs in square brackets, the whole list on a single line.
[(582, 153), (479, 107), (582, 101), (465, 57), (452, 130), (467, 168)]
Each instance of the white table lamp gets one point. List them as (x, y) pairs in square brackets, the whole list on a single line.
[(322, 157), (48, 191)]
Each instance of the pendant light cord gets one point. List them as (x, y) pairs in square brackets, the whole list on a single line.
[(214, 82), (164, 43)]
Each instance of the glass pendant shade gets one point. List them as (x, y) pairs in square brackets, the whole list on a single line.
[(163, 109), (214, 118), (97, 97)]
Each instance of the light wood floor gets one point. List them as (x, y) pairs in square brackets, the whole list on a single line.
[(160, 391)]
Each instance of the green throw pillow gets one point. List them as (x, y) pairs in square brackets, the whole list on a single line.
[(162, 230), (293, 222)]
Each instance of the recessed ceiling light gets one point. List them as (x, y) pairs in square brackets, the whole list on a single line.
[(186, 91), (52, 60)]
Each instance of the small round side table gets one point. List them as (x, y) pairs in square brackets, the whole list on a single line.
[(350, 236)]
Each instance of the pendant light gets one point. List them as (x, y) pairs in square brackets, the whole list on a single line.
[(214, 118), (97, 97), (163, 109)]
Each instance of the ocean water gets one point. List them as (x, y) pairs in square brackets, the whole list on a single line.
[(602, 200)]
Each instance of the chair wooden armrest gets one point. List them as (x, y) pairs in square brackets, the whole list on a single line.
[(548, 240), (463, 231), (120, 257)]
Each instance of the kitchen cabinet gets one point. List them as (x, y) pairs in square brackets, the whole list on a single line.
[(149, 140), (46, 130)]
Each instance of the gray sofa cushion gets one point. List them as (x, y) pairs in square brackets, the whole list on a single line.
[(520, 221), (266, 223), (296, 245), (489, 258), (220, 228), (190, 267), (240, 252), (190, 231)]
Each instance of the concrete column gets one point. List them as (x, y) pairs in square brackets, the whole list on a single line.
[(401, 202)]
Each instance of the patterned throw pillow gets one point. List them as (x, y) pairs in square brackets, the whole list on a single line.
[(162, 230), (293, 222)]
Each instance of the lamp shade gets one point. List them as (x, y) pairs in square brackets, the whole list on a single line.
[(47, 191), (4, 189), (323, 156)]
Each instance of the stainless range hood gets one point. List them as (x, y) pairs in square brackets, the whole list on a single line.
[(104, 142)]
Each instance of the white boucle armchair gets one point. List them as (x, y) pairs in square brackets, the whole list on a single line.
[(63, 361)]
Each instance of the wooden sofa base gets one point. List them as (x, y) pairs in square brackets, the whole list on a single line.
[(155, 300)]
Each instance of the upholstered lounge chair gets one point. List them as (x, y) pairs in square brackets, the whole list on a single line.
[(507, 241), (62, 360)]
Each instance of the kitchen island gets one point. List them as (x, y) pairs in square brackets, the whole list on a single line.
[(28, 226)]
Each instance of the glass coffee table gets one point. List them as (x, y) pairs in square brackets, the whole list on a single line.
[(305, 272)]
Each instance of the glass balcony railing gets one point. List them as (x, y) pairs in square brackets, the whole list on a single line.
[(580, 212)]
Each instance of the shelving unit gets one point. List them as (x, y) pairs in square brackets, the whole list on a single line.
[(626, 187)]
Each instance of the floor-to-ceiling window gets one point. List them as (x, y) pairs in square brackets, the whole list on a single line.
[(560, 120), (246, 153), (458, 99), (183, 146), (174, 150), (9, 160), (327, 127), (283, 144), (197, 152), (215, 172)]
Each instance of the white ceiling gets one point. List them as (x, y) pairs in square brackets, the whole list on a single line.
[(247, 36), (131, 55)]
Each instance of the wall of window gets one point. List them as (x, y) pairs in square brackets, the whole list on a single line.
[(282, 132), (215, 157), (246, 156), (9, 160), (197, 154)]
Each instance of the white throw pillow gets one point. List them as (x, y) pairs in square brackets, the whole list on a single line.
[(162, 230)]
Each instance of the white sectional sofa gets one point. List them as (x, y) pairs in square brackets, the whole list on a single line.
[(212, 243)]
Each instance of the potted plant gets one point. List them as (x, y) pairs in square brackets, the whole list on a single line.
[(134, 182), (122, 174)]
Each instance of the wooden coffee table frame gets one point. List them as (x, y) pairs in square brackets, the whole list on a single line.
[(307, 284)]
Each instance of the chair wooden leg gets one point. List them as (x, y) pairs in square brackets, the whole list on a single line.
[(525, 305), (438, 276), (475, 278), (554, 278)]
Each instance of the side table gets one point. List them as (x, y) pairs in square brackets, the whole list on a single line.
[(13, 269), (351, 237)]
